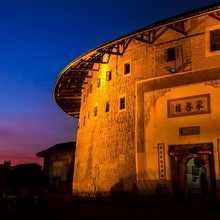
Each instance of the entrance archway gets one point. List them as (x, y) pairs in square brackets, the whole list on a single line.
[(192, 170)]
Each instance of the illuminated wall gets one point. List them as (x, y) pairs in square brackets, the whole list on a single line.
[(117, 146), (105, 143), (161, 127)]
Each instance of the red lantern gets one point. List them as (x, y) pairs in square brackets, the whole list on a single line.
[(176, 153)]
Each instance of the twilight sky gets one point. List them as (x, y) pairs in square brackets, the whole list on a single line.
[(38, 39)]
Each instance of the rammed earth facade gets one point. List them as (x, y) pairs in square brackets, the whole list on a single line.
[(148, 105)]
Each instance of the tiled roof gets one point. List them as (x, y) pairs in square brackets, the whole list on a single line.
[(68, 146), (183, 16), (70, 83)]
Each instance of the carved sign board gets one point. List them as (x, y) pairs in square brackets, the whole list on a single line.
[(161, 161), (191, 105)]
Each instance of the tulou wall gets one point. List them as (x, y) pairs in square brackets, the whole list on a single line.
[(116, 148)]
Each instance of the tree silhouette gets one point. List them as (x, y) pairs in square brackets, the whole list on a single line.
[(6, 175)]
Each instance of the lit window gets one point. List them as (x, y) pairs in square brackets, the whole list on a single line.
[(98, 82), (215, 40), (122, 103), (171, 54), (95, 111), (127, 68), (108, 75), (107, 106)]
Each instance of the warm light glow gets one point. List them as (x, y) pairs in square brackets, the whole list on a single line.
[(104, 69)]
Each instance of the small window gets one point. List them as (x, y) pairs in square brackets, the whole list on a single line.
[(215, 40), (84, 120), (95, 111), (108, 75), (122, 103), (171, 54), (127, 68), (88, 114), (98, 82), (90, 88), (107, 106), (212, 40)]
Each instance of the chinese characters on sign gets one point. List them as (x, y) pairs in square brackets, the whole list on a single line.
[(161, 161), (192, 105)]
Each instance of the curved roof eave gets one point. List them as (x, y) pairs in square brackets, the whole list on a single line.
[(101, 48)]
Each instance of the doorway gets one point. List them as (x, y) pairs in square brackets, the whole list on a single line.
[(196, 176), (192, 170)]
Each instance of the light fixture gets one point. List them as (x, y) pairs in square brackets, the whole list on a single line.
[(172, 70)]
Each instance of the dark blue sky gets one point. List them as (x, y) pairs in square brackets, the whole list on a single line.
[(38, 39)]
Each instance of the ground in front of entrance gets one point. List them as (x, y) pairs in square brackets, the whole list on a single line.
[(60, 209)]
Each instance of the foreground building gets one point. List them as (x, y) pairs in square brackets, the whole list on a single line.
[(58, 166), (148, 105)]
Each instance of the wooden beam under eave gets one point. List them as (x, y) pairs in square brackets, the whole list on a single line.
[(77, 94), (158, 34), (74, 107), (83, 70), (77, 77), (141, 39), (69, 97), (79, 83), (69, 106), (69, 84), (93, 61), (74, 114), (177, 29), (125, 44), (110, 52), (73, 90), (215, 16)]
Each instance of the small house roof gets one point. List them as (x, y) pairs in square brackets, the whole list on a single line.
[(68, 146)]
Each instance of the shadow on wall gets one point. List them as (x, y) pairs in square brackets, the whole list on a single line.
[(124, 187), (118, 187), (148, 187), (145, 187), (118, 190)]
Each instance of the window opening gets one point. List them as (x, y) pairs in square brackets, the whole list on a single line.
[(215, 40), (98, 82), (95, 111), (107, 106), (108, 75), (127, 68), (122, 103), (171, 54)]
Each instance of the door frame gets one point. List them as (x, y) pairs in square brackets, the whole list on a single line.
[(179, 156)]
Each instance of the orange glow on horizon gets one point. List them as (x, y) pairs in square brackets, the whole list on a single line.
[(23, 160)]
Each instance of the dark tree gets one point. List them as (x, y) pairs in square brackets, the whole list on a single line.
[(6, 175)]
